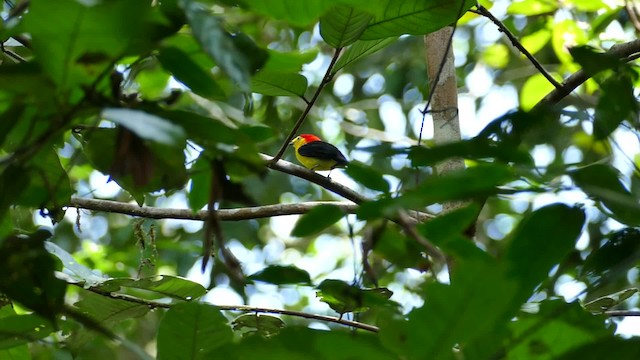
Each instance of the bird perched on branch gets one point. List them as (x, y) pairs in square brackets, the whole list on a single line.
[(316, 154)]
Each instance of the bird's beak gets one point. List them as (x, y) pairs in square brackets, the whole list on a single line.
[(291, 142)]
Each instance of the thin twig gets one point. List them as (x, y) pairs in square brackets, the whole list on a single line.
[(155, 304), (515, 42), (325, 80), (614, 313)]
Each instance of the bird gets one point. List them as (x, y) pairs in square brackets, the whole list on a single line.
[(316, 154)]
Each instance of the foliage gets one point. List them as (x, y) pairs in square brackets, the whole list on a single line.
[(173, 104)]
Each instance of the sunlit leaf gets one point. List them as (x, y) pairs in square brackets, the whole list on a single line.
[(343, 25), (279, 83), (147, 126)]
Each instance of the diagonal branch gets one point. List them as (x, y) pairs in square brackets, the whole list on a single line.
[(325, 80), (515, 42), (624, 51)]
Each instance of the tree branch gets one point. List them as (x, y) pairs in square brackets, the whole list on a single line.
[(239, 214), (155, 304), (515, 42), (623, 51), (325, 80)]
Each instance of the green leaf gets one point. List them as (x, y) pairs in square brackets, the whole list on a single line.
[(615, 257), (298, 13), (316, 220), (616, 104), (531, 7), (605, 348), (207, 328), (109, 311), (360, 49), (415, 17), (16, 330), (188, 72), (260, 324), (367, 176), (566, 34), (344, 298), (343, 25), (74, 41), (200, 183), (163, 285), (28, 274), (478, 301), (540, 242), (227, 51), (147, 126), (301, 343), (473, 182), (398, 249), (534, 89), (602, 183), (82, 272), (289, 62), (555, 329), (593, 62), (281, 275), (477, 148), (606, 302), (275, 83)]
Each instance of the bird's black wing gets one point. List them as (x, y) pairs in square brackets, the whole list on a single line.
[(322, 150)]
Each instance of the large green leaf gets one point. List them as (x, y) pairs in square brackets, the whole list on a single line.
[(555, 329), (190, 330), (541, 241), (107, 310), (76, 41), (343, 25), (415, 17), (299, 13), (16, 330), (616, 104), (477, 302), (301, 343)]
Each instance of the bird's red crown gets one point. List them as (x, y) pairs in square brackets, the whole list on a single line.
[(309, 137)]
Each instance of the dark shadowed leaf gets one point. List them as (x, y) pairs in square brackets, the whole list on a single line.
[(188, 72), (605, 348), (606, 302), (316, 220), (280, 275), (603, 184), (344, 298), (615, 257), (208, 330), (367, 176)]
